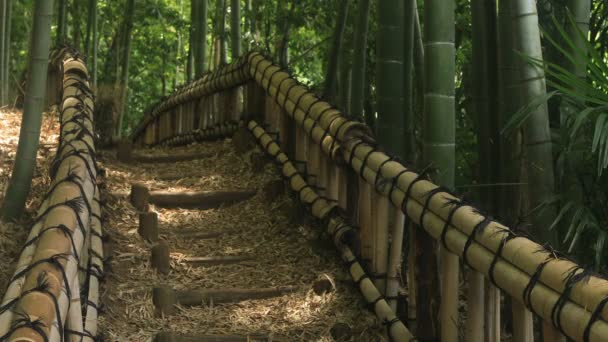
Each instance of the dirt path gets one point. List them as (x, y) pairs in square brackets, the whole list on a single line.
[(284, 254)]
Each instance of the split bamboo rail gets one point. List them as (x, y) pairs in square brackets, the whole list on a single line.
[(54, 292), (388, 202)]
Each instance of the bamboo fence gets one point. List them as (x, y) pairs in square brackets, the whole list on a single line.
[(54, 292), (340, 161)]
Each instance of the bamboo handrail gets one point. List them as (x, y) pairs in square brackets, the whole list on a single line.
[(325, 211), (577, 295), (43, 299)]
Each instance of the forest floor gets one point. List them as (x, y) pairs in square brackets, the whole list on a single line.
[(14, 234), (284, 254)]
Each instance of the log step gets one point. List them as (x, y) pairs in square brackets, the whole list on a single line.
[(167, 336), (165, 298), (147, 158), (196, 234), (216, 260), (198, 200)]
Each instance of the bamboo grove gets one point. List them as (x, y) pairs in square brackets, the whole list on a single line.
[(437, 143), (568, 298)]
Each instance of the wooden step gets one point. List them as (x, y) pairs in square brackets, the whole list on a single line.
[(169, 158), (198, 200), (167, 336), (165, 298), (196, 234), (216, 260)]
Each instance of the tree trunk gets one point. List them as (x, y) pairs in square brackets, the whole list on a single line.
[(331, 73), (222, 31), (3, 48), (530, 80), (235, 28), (76, 24), (485, 100), (357, 87), (199, 35), (438, 152), (62, 26), (92, 8), (29, 136), (124, 77), (409, 148), (389, 77), (94, 44)]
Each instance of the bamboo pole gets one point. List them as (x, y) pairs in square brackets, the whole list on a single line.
[(380, 259), (322, 209), (394, 262), (474, 328)]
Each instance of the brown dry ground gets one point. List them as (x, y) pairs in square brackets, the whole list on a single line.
[(285, 254), (13, 235)]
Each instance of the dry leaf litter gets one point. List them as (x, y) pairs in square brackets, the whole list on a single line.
[(285, 254)]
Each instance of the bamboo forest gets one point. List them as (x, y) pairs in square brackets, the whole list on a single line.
[(311, 170)]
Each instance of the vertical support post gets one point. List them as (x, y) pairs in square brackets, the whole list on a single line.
[(365, 221), (394, 262), (492, 327), (523, 323), (380, 259), (475, 306)]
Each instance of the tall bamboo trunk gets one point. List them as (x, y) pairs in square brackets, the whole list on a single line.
[(199, 36), (62, 26), (7, 52), (537, 135), (95, 45), (357, 87), (29, 136), (3, 48), (124, 78), (222, 31), (235, 28), (408, 85), (439, 145), (389, 77), (509, 202), (331, 72)]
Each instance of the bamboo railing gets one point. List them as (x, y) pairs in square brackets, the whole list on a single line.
[(340, 161), (54, 292)]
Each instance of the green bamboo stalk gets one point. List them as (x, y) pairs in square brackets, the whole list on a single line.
[(222, 31), (331, 72), (7, 51), (91, 14), (389, 77), (418, 61), (3, 48), (408, 86), (124, 77), (485, 97), (95, 46), (438, 152), (530, 81), (357, 95), (235, 28), (200, 37), (29, 136), (62, 26)]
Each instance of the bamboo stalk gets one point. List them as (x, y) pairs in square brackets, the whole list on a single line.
[(380, 260), (320, 208), (523, 324), (474, 329), (492, 317), (394, 262)]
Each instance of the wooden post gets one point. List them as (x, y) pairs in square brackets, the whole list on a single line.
[(380, 258), (148, 226), (124, 151), (365, 222), (475, 306), (256, 107), (523, 323), (140, 195), (159, 257), (394, 262), (492, 326)]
